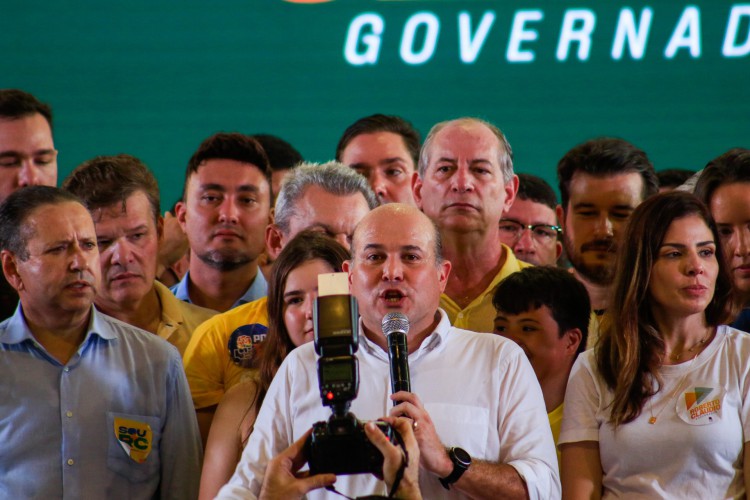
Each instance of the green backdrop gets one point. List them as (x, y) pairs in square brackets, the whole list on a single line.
[(153, 78)]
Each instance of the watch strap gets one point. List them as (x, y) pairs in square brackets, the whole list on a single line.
[(459, 467)]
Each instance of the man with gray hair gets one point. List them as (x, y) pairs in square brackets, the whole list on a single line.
[(465, 182), (330, 198)]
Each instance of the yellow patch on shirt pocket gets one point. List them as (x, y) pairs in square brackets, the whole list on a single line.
[(133, 445)]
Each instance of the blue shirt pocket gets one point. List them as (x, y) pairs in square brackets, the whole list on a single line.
[(133, 449)]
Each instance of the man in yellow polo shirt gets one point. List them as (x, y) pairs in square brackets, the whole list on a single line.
[(465, 182), (123, 198), (330, 198)]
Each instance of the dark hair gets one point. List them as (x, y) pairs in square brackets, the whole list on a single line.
[(381, 123), (15, 104), (305, 246), (281, 155), (729, 168), (105, 180), (630, 348), (229, 146), (673, 177), (534, 287), (605, 157), (16, 208), (536, 189)]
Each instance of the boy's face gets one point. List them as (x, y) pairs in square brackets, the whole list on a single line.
[(538, 334)]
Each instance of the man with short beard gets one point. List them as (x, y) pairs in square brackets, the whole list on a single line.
[(225, 208), (601, 183)]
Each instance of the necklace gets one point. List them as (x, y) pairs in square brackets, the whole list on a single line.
[(676, 356), (701, 343), (674, 393)]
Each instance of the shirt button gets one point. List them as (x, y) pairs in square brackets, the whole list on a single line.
[(460, 315), (70, 461), (66, 369), (68, 413)]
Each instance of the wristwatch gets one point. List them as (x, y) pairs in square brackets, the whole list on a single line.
[(461, 461)]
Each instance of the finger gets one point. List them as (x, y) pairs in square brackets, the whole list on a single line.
[(296, 452), (405, 428), (404, 409), (315, 482), (377, 438), (408, 397)]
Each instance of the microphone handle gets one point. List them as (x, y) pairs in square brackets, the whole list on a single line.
[(399, 361)]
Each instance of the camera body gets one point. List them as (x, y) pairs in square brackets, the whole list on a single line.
[(339, 445)]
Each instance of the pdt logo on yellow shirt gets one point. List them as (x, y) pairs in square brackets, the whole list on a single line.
[(134, 437)]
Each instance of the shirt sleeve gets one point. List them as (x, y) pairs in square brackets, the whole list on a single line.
[(180, 447), (525, 434), (205, 358), (582, 403)]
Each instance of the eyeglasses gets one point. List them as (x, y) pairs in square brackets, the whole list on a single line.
[(542, 233)]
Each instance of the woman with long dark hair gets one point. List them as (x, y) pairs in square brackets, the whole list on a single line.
[(660, 409), (292, 289)]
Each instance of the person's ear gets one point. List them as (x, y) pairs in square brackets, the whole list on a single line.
[(573, 338), (10, 269), (274, 241)]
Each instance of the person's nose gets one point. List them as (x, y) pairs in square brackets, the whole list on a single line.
[(29, 174), (393, 269), (121, 253), (462, 180), (604, 227), (379, 184), (228, 212), (525, 243)]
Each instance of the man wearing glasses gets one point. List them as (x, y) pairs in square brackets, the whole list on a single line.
[(530, 227)]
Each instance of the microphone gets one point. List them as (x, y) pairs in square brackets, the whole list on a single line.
[(395, 327)]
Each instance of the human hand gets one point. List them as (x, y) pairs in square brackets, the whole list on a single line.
[(433, 455), (282, 479), (394, 457)]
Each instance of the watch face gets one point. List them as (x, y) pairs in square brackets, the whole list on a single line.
[(462, 456)]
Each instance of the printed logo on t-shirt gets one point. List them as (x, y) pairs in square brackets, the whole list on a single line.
[(244, 343), (134, 437), (701, 406)]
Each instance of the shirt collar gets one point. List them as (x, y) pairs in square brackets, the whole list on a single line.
[(436, 340), (171, 314), (15, 330), (258, 288)]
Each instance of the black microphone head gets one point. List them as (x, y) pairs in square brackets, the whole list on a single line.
[(395, 322)]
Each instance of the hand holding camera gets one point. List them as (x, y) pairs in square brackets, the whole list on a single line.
[(340, 444)]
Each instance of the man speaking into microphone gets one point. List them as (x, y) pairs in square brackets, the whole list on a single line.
[(477, 410)]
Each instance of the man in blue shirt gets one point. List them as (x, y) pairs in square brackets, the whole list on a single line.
[(89, 407), (225, 208)]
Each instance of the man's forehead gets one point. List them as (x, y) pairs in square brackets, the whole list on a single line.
[(531, 212), (378, 232), (52, 220), (134, 205), (222, 173), (27, 129), (471, 134)]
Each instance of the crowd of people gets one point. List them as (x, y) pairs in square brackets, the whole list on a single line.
[(591, 347)]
